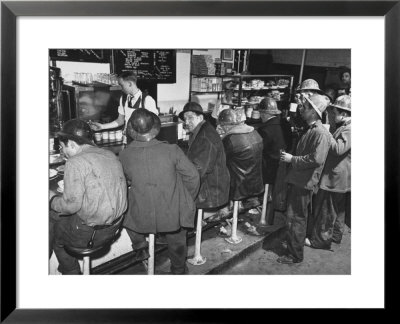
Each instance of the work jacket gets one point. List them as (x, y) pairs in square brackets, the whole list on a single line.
[(273, 141), (206, 152), (336, 175), (311, 153), (163, 186), (243, 149), (94, 187)]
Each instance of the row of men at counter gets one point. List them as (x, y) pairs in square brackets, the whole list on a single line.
[(157, 188)]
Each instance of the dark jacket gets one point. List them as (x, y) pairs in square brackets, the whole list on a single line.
[(311, 153), (164, 184), (273, 140), (206, 152), (336, 175), (243, 149)]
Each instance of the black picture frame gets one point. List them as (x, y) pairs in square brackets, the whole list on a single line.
[(11, 10)]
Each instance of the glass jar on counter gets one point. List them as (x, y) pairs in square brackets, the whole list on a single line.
[(105, 137), (118, 135), (111, 136)]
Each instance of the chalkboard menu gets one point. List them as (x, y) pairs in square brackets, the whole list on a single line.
[(158, 65), (81, 55)]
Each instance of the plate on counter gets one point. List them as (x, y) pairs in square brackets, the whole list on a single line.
[(56, 158), (52, 173), (60, 169)]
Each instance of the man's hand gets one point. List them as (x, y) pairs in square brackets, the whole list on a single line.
[(286, 157), (95, 126), (51, 194)]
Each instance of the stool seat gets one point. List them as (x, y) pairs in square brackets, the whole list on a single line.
[(87, 251)]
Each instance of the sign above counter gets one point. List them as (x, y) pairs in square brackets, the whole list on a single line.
[(81, 55), (158, 65)]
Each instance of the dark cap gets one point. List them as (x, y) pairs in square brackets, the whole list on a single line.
[(191, 106), (78, 131), (143, 121)]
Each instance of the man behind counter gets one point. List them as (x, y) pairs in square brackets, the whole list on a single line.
[(131, 99), (95, 193)]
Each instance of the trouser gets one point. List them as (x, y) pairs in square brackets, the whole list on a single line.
[(298, 204), (69, 230), (177, 247), (329, 213)]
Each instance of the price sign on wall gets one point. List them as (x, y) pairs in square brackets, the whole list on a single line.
[(157, 65)]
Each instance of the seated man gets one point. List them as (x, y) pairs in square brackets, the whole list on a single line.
[(94, 194), (164, 185), (243, 148), (206, 152)]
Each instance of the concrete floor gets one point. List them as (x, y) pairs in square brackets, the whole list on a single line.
[(263, 261)]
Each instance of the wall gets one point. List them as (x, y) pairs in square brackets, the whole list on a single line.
[(314, 57), (177, 95)]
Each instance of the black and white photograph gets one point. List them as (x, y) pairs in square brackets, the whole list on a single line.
[(166, 158), (199, 161)]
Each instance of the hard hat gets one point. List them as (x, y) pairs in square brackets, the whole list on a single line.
[(268, 105), (228, 117), (318, 102), (143, 122), (343, 102), (78, 131), (310, 85)]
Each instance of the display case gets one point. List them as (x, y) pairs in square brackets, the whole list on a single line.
[(249, 90)]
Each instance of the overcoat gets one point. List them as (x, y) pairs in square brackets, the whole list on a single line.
[(243, 149), (163, 186), (336, 175), (206, 152), (273, 141)]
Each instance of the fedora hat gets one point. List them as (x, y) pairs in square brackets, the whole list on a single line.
[(78, 131), (318, 102), (268, 105), (342, 102), (191, 106), (310, 85), (143, 124)]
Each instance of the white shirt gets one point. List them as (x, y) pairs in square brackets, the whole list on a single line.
[(149, 104)]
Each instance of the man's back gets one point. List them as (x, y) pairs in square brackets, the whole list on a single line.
[(243, 148), (94, 187)]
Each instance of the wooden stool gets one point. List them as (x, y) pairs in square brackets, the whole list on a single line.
[(87, 252)]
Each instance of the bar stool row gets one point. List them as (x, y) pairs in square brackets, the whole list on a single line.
[(198, 259)]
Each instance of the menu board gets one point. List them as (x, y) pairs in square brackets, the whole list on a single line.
[(81, 55), (158, 65)]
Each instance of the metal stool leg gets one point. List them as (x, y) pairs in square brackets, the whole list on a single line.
[(198, 259), (234, 239), (86, 265), (263, 221), (150, 267)]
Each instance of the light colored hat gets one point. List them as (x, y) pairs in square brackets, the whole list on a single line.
[(318, 102), (310, 85), (228, 117), (343, 102)]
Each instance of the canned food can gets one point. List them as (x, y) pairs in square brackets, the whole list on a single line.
[(112, 136), (105, 137)]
